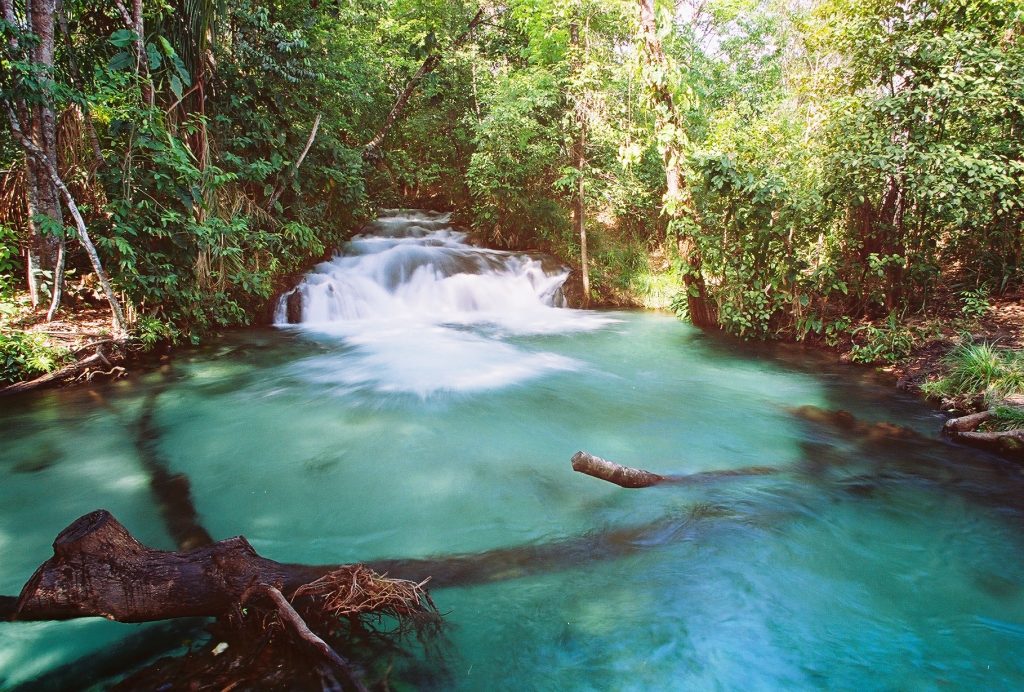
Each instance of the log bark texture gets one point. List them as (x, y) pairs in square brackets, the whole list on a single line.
[(99, 569), (966, 423), (624, 476)]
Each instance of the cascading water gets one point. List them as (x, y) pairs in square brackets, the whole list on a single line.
[(411, 264), (423, 310)]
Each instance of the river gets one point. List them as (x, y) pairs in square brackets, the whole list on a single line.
[(427, 402)]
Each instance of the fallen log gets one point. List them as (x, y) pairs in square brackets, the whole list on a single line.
[(968, 423), (624, 476), (99, 569), (1008, 442), (628, 477)]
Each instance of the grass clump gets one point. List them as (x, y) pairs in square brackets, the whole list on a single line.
[(979, 368), (1007, 418)]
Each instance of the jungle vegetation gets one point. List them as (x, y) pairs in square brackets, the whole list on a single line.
[(778, 168)]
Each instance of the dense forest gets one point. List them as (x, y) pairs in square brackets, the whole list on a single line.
[(778, 169)]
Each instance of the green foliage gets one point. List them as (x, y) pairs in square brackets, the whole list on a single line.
[(974, 303), (24, 355), (979, 368), (9, 260), (150, 331), (888, 343), (842, 158), (1008, 417), (513, 171)]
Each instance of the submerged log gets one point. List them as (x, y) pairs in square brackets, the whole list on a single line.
[(173, 491), (628, 477), (614, 473)]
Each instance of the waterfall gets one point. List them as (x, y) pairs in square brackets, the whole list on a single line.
[(418, 309), (411, 264)]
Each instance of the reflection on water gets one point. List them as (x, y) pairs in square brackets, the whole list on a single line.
[(863, 564)]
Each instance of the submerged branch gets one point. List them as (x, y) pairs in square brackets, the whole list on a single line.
[(628, 477)]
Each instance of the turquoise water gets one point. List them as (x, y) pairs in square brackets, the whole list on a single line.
[(858, 566)]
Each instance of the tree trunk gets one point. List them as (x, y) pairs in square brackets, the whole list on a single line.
[(134, 20), (118, 578), (677, 202), (579, 210), (580, 162), (32, 151), (43, 249)]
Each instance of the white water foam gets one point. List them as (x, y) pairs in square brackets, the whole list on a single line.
[(420, 310)]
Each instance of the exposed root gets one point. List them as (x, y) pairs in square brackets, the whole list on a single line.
[(294, 622), (356, 591)]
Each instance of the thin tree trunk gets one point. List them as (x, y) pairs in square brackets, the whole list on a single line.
[(678, 202), (578, 213), (294, 170), (134, 21), (42, 251), (372, 149), (76, 73), (31, 150), (58, 279), (580, 162)]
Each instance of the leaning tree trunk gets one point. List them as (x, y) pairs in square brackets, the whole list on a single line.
[(678, 201), (33, 152), (371, 151)]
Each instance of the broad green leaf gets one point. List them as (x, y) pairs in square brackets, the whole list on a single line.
[(122, 38)]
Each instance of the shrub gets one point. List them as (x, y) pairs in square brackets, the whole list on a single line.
[(885, 344), (24, 355)]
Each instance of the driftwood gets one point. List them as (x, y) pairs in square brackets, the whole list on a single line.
[(624, 476), (629, 477)]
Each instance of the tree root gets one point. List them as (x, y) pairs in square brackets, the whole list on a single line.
[(290, 617), (64, 373)]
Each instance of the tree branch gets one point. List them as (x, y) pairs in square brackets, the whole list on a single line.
[(294, 171)]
